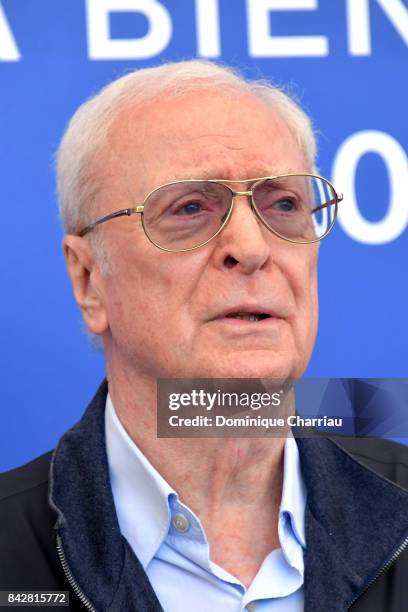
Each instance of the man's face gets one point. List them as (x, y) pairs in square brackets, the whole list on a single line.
[(167, 312)]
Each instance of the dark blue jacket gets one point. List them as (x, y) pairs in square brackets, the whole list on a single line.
[(59, 530)]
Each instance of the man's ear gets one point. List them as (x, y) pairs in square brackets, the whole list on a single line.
[(86, 282)]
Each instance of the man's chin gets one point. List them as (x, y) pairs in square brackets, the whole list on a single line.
[(248, 364)]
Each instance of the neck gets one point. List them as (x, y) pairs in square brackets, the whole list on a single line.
[(231, 484)]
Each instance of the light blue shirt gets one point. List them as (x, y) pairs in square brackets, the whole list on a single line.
[(170, 542)]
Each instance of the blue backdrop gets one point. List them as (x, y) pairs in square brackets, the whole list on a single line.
[(346, 60)]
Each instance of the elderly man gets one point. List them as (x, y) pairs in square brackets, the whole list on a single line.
[(193, 215)]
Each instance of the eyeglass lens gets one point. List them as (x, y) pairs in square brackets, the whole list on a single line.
[(184, 215)]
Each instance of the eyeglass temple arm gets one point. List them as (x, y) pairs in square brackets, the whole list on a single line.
[(119, 213), (339, 198)]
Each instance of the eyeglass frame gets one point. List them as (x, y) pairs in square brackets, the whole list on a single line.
[(139, 208)]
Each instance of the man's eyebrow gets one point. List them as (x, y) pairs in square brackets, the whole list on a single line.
[(207, 174)]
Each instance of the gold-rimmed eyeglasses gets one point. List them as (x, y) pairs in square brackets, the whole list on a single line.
[(186, 214)]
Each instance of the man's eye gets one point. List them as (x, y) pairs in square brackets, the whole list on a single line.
[(285, 205), (190, 208)]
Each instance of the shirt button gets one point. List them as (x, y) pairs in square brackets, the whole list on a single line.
[(251, 607), (181, 523)]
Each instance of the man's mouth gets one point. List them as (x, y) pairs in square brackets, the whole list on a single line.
[(248, 316), (253, 313)]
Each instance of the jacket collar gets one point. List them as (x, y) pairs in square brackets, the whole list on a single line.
[(348, 506)]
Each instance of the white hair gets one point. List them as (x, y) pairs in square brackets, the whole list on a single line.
[(87, 133)]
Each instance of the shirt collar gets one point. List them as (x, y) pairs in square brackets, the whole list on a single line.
[(142, 495), (293, 501)]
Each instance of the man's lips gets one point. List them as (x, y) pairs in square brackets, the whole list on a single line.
[(248, 313)]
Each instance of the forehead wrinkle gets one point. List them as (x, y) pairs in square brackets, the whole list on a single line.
[(214, 137)]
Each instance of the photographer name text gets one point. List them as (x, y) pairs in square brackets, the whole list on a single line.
[(254, 421)]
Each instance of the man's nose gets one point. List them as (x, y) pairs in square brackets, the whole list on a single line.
[(244, 242)]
